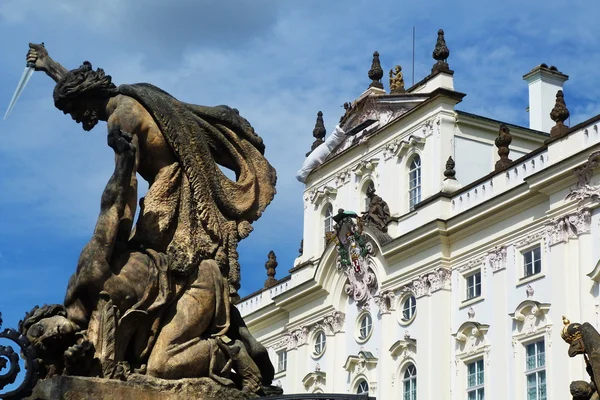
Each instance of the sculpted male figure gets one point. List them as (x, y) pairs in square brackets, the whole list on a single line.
[(378, 213), (190, 220)]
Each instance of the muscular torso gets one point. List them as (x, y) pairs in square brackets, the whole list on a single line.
[(154, 153)]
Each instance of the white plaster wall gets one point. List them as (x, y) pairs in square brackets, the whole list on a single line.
[(474, 159)]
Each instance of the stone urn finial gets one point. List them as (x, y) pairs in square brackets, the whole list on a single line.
[(450, 173), (318, 133), (270, 266), (559, 114), (440, 54), (502, 142), (376, 73)]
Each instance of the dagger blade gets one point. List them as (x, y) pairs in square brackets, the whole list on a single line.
[(27, 73)]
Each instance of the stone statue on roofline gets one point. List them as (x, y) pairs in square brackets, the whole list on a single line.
[(156, 296)]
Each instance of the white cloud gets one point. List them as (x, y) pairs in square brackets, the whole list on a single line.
[(279, 68)]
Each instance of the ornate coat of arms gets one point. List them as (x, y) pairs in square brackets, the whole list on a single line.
[(354, 253)]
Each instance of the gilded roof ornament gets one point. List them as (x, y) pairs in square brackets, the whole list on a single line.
[(396, 80)]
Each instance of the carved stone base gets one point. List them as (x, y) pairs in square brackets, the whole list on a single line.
[(137, 387)]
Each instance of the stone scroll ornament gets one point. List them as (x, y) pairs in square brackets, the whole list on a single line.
[(354, 251), (10, 368), (584, 339)]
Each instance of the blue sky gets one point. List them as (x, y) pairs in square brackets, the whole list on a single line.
[(278, 62)]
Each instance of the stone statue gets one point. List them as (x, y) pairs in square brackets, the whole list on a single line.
[(378, 213), (157, 298), (584, 339), (396, 80)]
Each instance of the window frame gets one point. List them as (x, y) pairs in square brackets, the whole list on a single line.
[(281, 353), (358, 385), (476, 285), (463, 283), (415, 193), (409, 382), (403, 300), (365, 188), (363, 316), (315, 341), (522, 278), (327, 221), (537, 370), (479, 387)]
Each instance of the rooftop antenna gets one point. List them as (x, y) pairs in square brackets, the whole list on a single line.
[(413, 58)]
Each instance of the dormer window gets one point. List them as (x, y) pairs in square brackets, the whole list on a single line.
[(414, 181)]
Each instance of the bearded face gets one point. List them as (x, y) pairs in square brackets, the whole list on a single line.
[(51, 335), (84, 113)]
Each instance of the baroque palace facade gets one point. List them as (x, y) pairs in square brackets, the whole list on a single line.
[(478, 237)]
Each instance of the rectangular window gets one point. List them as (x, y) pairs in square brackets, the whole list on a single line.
[(535, 370), (532, 261), (473, 285), (475, 380), (414, 182), (281, 361)]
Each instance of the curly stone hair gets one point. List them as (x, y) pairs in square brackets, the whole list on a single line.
[(39, 313), (83, 82)]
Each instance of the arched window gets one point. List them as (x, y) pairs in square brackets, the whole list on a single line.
[(363, 387), (409, 383), (414, 181), (368, 187), (328, 221)]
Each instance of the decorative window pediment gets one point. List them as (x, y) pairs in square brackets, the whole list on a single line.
[(363, 363), (529, 308), (318, 196), (530, 317), (400, 147), (470, 329), (365, 167), (403, 349), (314, 381), (470, 337)]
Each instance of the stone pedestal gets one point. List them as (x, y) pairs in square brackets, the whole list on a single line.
[(137, 387)]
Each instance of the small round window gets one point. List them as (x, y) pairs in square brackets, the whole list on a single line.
[(409, 309), (320, 343), (365, 327)]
